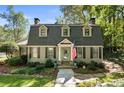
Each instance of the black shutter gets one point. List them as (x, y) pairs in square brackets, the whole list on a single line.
[(38, 52), (84, 52), (26, 50), (54, 52), (46, 49), (91, 52), (30, 52), (20, 51), (100, 52)]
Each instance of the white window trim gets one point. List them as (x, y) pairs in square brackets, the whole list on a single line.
[(45, 28), (62, 29), (90, 29), (48, 51)]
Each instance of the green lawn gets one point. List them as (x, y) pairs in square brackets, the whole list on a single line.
[(25, 81)]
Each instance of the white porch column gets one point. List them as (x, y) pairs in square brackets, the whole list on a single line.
[(28, 54), (71, 52), (59, 53), (102, 53)]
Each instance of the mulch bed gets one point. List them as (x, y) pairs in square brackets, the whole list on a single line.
[(6, 69), (80, 70), (53, 72)]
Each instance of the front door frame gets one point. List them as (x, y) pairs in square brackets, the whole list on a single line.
[(65, 43)]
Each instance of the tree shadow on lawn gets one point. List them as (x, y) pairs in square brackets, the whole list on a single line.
[(25, 81)]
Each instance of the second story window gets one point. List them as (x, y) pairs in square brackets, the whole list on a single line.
[(87, 31), (43, 31), (65, 31)]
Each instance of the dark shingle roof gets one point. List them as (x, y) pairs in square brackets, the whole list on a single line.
[(54, 35)]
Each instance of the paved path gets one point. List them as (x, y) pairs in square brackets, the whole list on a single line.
[(112, 67), (65, 78)]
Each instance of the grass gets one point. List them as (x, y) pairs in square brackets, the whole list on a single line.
[(25, 81)]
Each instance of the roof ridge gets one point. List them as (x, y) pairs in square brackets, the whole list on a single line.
[(64, 24)]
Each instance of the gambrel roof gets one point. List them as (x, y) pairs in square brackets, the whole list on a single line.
[(54, 35)]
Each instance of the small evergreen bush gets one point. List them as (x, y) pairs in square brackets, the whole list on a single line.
[(24, 59), (95, 65), (33, 64), (80, 64), (14, 61), (49, 63)]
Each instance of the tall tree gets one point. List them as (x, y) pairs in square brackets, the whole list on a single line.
[(109, 17), (16, 23)]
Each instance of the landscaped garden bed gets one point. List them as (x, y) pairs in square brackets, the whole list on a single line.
[(116, 57), (19, 65), (16, 72), (110, 80), (90, 68)]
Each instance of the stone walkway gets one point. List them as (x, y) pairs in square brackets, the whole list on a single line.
[(112, 67), (65, 78)]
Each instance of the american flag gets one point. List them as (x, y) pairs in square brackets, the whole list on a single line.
[(74, 53)]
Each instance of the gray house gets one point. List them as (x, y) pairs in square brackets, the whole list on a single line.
[(56, 41)]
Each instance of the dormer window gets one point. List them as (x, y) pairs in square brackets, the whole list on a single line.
[(87, 31), (65, 31), (43, 31)]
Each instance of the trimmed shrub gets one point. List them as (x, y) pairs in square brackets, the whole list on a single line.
[(14, 61), (49, 63), (24, 59), (40, 67), (95, 65), (33, 64), (80, 64), (101, 65)]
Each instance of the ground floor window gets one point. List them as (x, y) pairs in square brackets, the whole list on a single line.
[(81, 52), (50, 52), (94, 52), (34, 52)]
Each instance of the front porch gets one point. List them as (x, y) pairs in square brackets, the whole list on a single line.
[(65, 50), (65, 53)]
